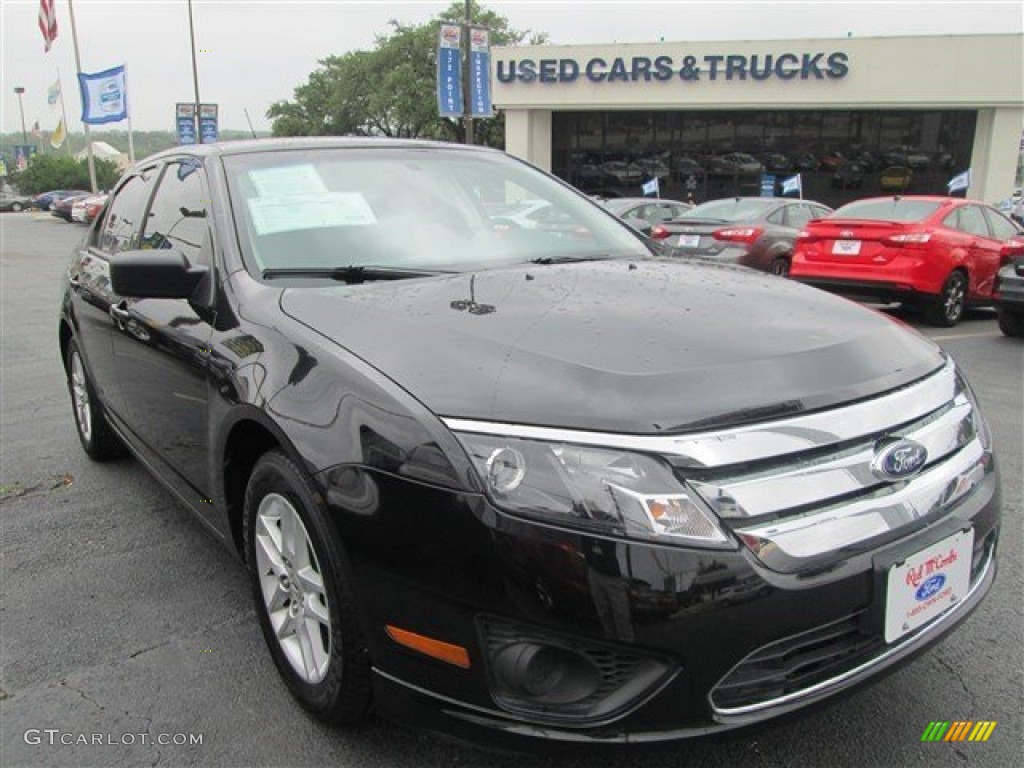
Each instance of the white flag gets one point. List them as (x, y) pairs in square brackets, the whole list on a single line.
[(651, 187), (960, 181), (793, 184)]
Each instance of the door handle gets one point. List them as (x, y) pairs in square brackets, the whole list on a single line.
[(118, 312)]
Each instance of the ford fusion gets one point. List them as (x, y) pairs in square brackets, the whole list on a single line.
[(520, 483)]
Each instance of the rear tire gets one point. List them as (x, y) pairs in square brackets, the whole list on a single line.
[(16, 207), (780, 266), (98, 440), (948, 307), (1011, 323), (305, 603)]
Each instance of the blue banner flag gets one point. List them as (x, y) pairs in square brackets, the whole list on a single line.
[(449, 71), (104, 96), (480, 73), (207, 123), (185, 119)]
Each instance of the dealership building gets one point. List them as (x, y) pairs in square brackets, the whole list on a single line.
[(713, 119)]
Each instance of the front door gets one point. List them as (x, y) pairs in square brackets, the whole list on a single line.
[(161, 347)]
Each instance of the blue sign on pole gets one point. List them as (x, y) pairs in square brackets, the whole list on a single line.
[(449, 71), (480, 72), (185, 117), (768, 185), (208, 123)]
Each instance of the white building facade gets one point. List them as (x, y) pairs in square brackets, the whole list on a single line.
[(712, 119)]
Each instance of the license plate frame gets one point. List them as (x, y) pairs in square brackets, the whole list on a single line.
[(846, 248), (689, 241), (927, 583)]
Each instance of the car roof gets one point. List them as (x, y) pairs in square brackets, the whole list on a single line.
[(252, 146)]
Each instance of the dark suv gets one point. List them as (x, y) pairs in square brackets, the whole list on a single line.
[(515, 483)]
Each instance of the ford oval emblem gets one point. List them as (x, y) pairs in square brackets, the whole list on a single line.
[(899, 460), (930, 587)]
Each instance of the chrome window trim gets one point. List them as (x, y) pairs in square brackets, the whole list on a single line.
[(772, 439), (827, 686)]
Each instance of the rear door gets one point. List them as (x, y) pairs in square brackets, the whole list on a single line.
[(983, 251)]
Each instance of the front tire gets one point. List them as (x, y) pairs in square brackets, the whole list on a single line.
[(1011, 323), (16, 207), (94, 432), (305, 603), (948, 307)]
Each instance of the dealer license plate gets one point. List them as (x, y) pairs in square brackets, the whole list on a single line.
[(689, 241), (927, 583), (846, 247)]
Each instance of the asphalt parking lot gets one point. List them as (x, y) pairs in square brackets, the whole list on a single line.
[(122, 618)]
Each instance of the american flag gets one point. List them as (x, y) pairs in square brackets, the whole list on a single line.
[(48, 21)]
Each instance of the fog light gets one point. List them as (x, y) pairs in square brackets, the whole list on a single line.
[(546, 674)]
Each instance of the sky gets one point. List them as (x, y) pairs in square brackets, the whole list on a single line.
[(251, 53)]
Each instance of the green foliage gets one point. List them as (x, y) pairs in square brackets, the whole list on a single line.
[(390, 90), (46, 172)]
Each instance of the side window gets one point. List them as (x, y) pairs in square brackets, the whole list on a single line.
[(634, 213), (122, 226), (798, 216), (952, 219), (1002, 228), (177, 217), (972, 221), (777, 217), (817, 212)]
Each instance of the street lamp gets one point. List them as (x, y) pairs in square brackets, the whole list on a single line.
[(21, 106)]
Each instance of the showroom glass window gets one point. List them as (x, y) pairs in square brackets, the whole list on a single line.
[(723, 153), (123, 223), (177, 216)]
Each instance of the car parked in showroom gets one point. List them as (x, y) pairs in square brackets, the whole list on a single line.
[(515, 484), (939, 254), (645, 213), (756, 232), (1009, 297)]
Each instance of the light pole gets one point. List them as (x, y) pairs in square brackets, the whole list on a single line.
[(21, 107)]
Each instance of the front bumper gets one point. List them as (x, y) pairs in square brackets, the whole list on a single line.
[(443, 565)]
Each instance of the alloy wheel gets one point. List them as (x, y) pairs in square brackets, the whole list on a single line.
[(80, 397), (953, 297), (292, 586)]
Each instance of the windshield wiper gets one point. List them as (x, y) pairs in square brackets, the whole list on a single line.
[(352, 274), (568, 259)]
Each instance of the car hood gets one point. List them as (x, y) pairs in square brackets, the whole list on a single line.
[(646, 347)]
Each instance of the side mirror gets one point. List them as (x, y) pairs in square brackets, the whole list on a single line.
[(154, 274)]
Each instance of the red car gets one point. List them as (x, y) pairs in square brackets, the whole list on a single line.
[(940, 253)]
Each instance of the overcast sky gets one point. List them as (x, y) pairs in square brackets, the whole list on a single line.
[(252, 53)]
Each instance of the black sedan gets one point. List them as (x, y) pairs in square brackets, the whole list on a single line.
[(756, 232), (1009, 298), (514, 483)]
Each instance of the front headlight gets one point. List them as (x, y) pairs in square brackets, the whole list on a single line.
[(602, 490)]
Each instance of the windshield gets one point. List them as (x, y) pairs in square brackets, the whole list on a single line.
[(730, 209), (887, 209), (411, 208)]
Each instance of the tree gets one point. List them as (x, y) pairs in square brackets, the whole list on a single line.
[(46, 172), (390, 90)]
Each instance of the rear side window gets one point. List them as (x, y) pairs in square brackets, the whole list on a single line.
[(123, 224), (798, 215), (1002, 228), (972, 221), (177, 217), (894, 209)]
